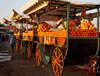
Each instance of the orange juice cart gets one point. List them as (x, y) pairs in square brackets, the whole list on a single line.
[(76, 44)]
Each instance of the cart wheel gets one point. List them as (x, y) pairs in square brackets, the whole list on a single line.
[(17, 42), (38, 56), (21, 50), (89, 66), (57, 61), (97, 69), (29, 50)]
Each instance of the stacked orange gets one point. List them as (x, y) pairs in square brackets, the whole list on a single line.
[(82, 33), (25, 36), (87, 26), (86, 29), (59, 33), (43, 27)]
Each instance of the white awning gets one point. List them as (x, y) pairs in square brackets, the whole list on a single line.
[(5, 21), (28, 5), (38, 4), (43, 7), (14, 15), (33, 6)]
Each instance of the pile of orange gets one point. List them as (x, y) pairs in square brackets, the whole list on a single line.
[(62, 33), (86, 29), (59, 33), (25, 36), (72, 33), (87, 25), (43, 27), (82, 33)]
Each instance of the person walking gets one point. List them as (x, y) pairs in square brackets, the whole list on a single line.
[(12, 41), (3, 37)]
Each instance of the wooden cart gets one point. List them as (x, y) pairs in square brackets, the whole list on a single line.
[(70, 49)]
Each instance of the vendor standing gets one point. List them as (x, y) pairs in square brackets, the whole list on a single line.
[(12, 41), (60, 24)]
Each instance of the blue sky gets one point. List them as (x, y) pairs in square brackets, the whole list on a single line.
[(6, 6)]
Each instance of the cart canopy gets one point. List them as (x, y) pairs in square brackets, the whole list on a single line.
[(5, 21), (14, 16), (49, 9), (33, 6)]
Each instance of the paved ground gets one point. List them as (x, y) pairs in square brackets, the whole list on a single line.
[(22, 66)]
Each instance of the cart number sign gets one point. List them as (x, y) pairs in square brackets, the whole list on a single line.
[(83, 11)]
